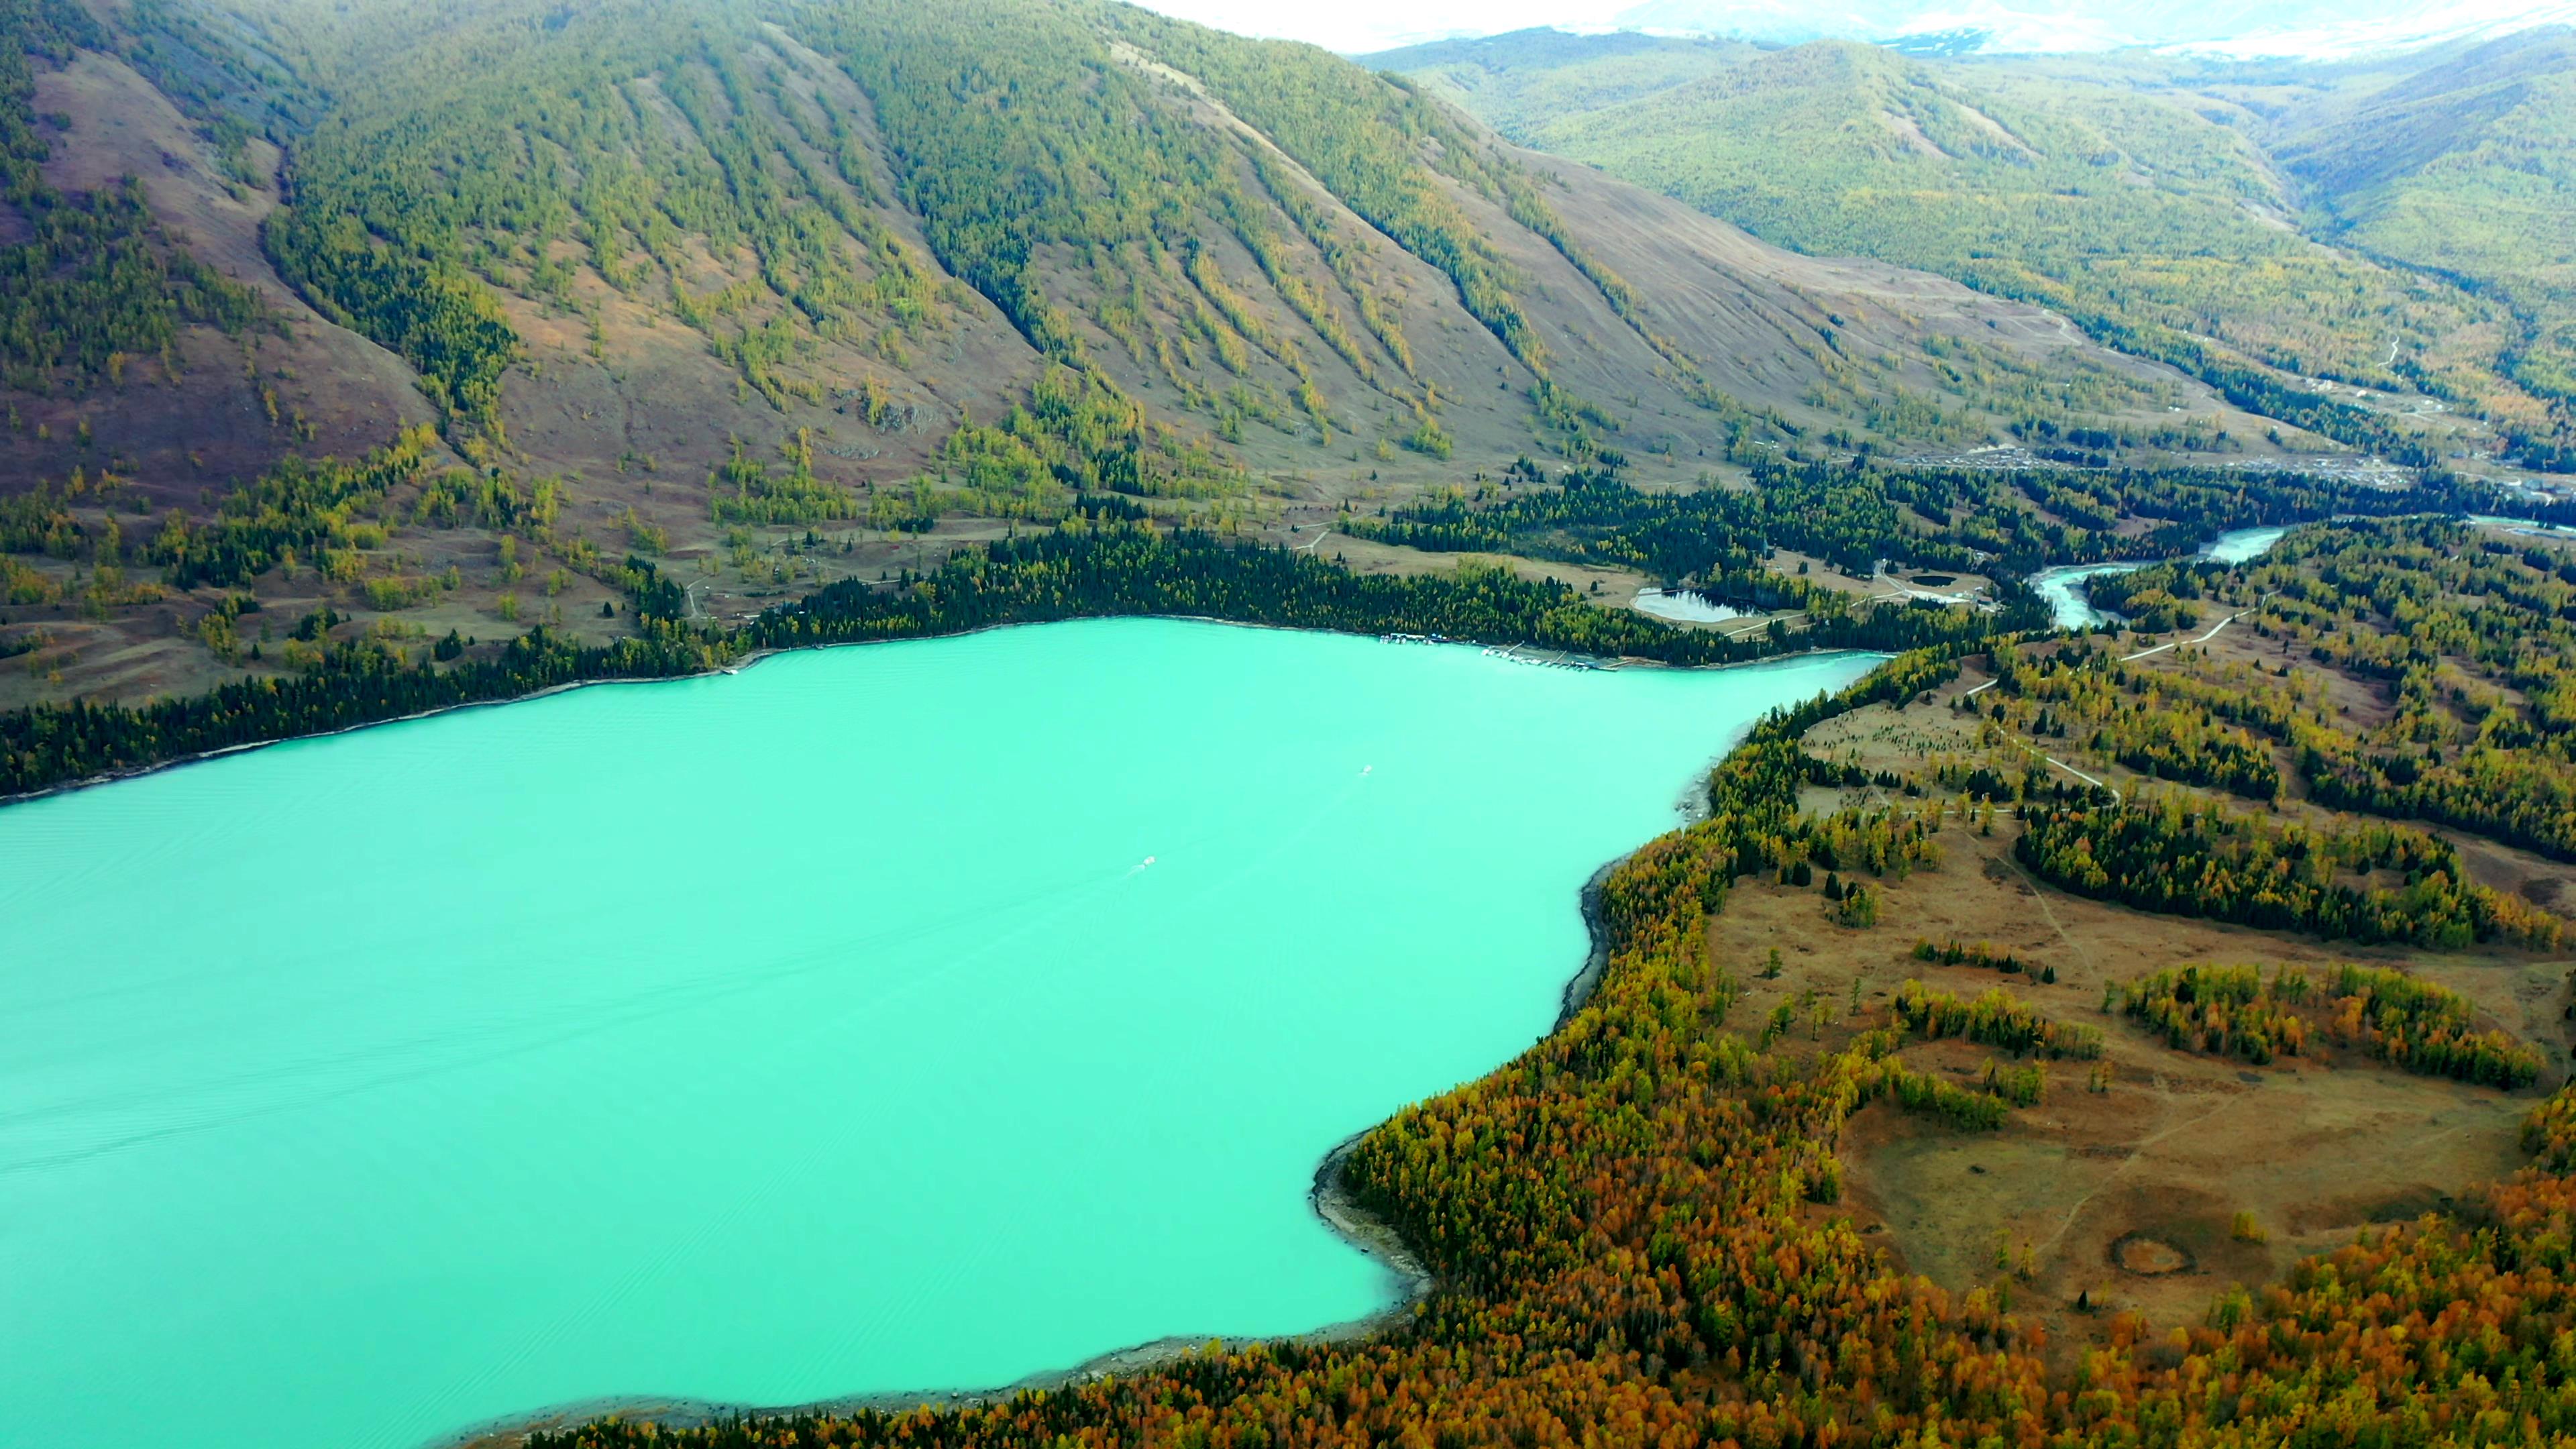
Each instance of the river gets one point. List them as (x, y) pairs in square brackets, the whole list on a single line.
[(2064, 588)]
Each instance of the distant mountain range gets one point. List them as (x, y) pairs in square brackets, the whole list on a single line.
[(2395, 221), (2303, 30)]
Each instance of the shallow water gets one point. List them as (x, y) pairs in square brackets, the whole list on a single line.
[(2071, 608), (2242, 545), (815, 1030), (1684, 605), (2064, 589)]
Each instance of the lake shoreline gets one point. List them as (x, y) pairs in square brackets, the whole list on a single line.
[(1330, 1193), (1578, 990), (1330, 1196), (762, 655)]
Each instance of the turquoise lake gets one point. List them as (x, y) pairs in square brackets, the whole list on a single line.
[(761, 1038)]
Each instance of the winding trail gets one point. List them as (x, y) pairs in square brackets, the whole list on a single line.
[(2137, 1150), (2125, 658), (2079, 774), (2203, 639)]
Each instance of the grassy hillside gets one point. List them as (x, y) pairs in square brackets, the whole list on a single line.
[(1518, 81), (2465, 166), (2123, 191)]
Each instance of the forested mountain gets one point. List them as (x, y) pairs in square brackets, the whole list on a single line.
[(2392, 226), (710, 282)]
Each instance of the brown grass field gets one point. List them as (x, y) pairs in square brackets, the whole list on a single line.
[(2097, 1202), (2159, 1164)]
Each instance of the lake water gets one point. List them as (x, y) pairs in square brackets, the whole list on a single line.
[(762, 1038), (2071, 608)]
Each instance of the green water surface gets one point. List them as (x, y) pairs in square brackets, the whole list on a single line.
[(761, 1038)]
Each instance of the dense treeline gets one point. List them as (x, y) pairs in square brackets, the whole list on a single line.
[(1135, 571), (2424, 1028), (2223, 1010), (1995, 1018), (2142, 719), (1111, 569), (1855, 514), (48, 745), (1925, 1094), (2470, 637), (1715, 535), (2397, 1018), (2549, 1132), (1981, 955), (2179, 857)]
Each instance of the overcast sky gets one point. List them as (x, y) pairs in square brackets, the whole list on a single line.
[(1360, 25)]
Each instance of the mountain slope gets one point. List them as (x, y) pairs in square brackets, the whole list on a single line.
[(1524, 77), (2131, 193), (2466, 166), (769, 292)]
